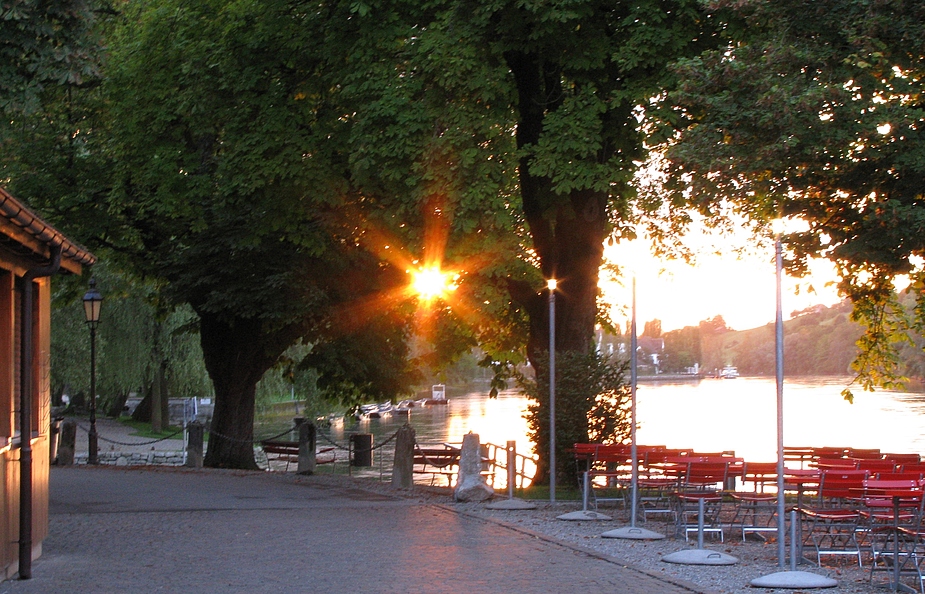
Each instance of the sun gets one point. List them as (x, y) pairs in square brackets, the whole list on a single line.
[(432, 283)]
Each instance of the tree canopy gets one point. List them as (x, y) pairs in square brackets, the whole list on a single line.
[(814, 111)]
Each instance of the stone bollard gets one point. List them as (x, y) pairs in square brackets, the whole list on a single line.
[(403, 466), (307, 441), (196, 434), (67, 442), (471, 485)]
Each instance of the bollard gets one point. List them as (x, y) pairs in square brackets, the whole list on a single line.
[(511, 467), (362, 449), (403, 464), (194, 447), (67, 443), (307, 441), (53, 432)]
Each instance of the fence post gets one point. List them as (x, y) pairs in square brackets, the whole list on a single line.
[(511, 468), (67, 442), (196, 435), (307, 442), (403, 464)]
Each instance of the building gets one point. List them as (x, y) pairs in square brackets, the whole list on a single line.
[(30, 252)]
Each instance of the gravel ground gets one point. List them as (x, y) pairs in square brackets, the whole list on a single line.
[(757, 558)]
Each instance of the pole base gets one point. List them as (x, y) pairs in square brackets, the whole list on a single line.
[(793, 580), (700, 557), (633, 533), (583, 515)]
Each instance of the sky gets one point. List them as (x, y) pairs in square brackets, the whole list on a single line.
[(739, 288)]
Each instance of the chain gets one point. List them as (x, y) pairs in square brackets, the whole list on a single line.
[(347, 449), (251, 441), (135, 443), (331, 441)]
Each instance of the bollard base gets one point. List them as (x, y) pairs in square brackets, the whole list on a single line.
[(633, 533), (583, 516)]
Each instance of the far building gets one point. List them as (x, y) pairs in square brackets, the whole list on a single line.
[(31, 251)]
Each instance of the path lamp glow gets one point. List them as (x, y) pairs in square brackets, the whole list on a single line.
[(93, 302), (551, 285)]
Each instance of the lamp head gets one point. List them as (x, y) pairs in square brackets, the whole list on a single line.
[(93, 303), (551, 284)]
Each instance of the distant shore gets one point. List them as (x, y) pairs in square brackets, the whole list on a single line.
[(673, 377)]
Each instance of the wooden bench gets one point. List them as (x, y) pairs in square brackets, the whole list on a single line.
[(436, 461), (288, 452)]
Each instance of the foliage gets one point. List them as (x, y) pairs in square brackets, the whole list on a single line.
[(814, 111), (821, 341), (592, 404), (132, 340), (682, 349), (44, 43)]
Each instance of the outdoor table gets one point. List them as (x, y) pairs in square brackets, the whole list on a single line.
[(801, 479), (898, 496)]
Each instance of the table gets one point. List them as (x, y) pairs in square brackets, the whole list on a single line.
[(898, 496)]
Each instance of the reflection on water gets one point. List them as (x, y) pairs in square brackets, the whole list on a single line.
[(741, 415), (710, 415), (496, 420)]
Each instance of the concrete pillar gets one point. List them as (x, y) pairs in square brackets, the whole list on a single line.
[(403, 465), (194, 447), (307, 441), (67, 442)]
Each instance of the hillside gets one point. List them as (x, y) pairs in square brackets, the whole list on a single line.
[(819, 341)]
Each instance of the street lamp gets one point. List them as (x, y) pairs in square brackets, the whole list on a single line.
[(551, 285), (93, 302)]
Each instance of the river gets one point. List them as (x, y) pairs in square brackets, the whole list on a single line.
[(710, 415)]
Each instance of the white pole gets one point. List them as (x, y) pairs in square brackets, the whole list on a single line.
[(634, 453), (552, 390), (779, 368)]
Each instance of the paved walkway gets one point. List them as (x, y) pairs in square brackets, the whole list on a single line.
[(150, 529)]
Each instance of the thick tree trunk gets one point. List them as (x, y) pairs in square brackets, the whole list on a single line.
[(568, 233), (236, 357)]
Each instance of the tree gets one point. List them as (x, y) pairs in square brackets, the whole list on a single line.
[(815, 112), (44, 44), (682, 349), (568, 81), (653, 329)]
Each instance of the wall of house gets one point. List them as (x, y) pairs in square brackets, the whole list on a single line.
[(9, 422)]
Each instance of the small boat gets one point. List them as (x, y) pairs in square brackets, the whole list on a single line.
[(729, 372), (437, 395)]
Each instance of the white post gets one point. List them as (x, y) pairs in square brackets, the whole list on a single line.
[(552, 390)]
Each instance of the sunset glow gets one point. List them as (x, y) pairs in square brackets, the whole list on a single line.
[(432, 283)]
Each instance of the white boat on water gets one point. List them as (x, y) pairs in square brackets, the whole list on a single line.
[(729, 372), (437, 395)]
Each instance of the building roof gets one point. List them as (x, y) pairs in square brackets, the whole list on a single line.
[(26, 235)]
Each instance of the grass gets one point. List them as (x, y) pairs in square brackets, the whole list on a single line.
[(541, 492), (144, 429)]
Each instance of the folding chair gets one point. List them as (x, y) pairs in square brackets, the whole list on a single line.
[(833, 522), (756, 510), (699, 482), (888, 506)]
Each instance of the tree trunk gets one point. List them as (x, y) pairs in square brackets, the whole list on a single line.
[(236, 356), (568, 233), (158, 421)]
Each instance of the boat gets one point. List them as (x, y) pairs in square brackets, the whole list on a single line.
[(729, 372), (437, 395)]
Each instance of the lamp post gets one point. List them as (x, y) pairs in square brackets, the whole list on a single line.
[(779, 375), (93, 302), (551, 285)]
